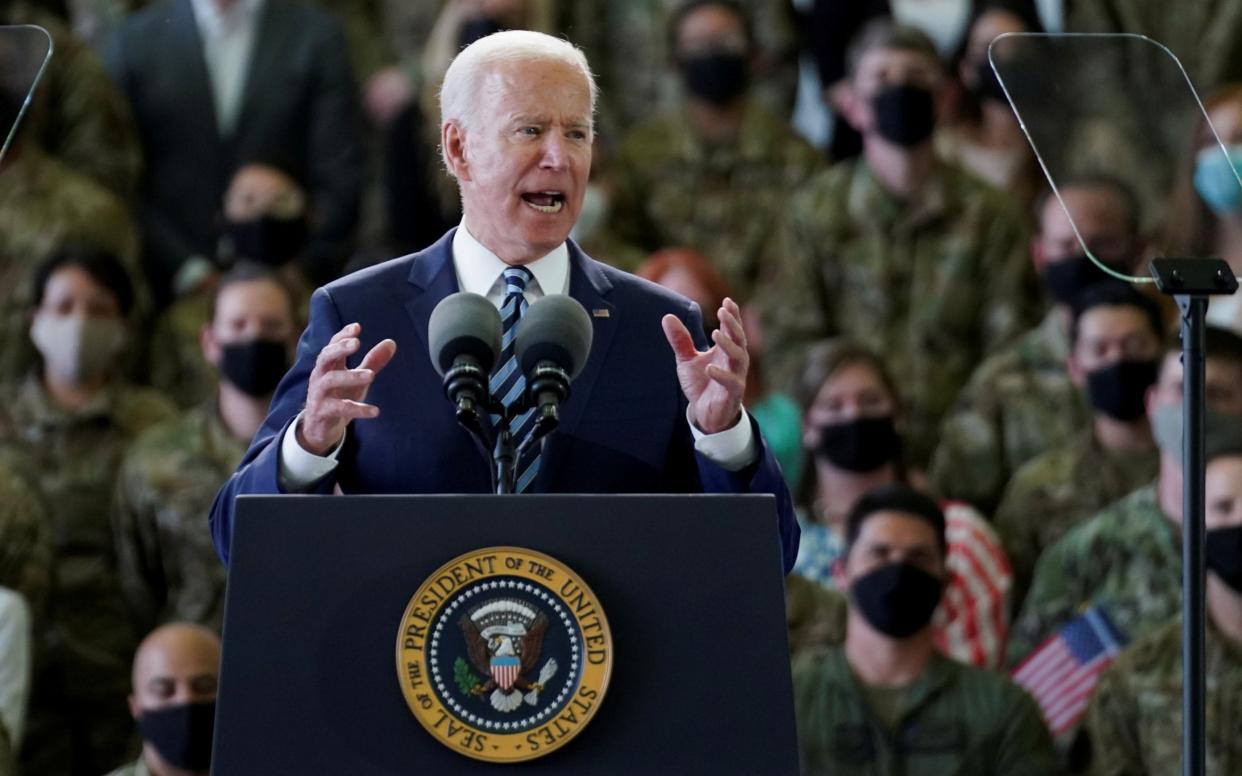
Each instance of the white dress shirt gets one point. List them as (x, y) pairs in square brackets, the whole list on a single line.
[(479, 271), (228, 35)]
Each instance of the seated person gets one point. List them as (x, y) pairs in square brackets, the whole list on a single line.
[(886, 700), (1134, 722), (265, 222), (1114, 358), (168, 567), (176, 672), (853, 441)]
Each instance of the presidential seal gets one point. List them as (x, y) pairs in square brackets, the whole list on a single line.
[(504, 654)]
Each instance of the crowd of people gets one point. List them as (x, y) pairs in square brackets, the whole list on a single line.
[(980, 427)]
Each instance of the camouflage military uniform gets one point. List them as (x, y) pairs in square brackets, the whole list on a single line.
[(814, 615), (1058, 490), (933, 285), (674, 190), (78, 115), (1018, 404), (84, 647), (1126, 560), (1135, 717), (44, 206), (954, 719), (25, 537), (168, 566)]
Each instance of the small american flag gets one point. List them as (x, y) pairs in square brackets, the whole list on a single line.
[(1061, 673)]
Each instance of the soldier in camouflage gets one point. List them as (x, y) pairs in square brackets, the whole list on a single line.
[(886, 701), (25, 533), (176, 675), (713, 174), (1134, 721), (168, 567), (1127, 559), (70, 420), (911, 257), (1021, 402), (1117, 334)]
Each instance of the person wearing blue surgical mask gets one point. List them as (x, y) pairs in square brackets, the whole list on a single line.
[(1205, 212)]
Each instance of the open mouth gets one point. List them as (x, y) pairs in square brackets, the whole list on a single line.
[(550, 202)]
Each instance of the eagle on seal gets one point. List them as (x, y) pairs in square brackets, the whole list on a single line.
[(504, 638)]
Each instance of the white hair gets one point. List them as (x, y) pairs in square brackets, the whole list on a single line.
[(462, 90)]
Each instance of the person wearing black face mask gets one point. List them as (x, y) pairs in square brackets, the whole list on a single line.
[(176, 672), (712, 174), (896, 248), (1129, 722), (852, 417), (886, 699), (1021, 402), (167, 566), (1117, 336)]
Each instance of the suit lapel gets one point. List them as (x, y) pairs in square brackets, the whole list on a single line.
[(588, 285), (431, 279), (266, 56), (187, 57)]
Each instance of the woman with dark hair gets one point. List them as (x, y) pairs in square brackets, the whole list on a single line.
[(852, 424), (69, 420), (1205, 212)]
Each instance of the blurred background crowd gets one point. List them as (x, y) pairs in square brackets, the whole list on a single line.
[(961, 401)]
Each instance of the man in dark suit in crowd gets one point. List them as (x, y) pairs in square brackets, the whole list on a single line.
[(215, 84), (517, 127)]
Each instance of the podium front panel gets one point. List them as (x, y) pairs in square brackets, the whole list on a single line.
[(691, 586)]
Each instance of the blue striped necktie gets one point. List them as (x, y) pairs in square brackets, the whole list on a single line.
[(508, 383)]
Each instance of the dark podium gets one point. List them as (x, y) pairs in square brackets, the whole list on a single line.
[(691, 586)]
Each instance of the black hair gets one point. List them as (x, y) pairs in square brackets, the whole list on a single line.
[(685, 9), (1114, 293), (895, 497), (249, 272), (884, 33), (103, 267)]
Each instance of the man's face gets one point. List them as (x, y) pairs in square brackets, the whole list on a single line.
[(1223, 492), (180, 668), (246, 311), (893, 537), (880, 68), (710, 29), (258, 190), (1109, 334), (1101, 220), (523, 167)]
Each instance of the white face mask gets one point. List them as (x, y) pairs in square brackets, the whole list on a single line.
[(75, 348)]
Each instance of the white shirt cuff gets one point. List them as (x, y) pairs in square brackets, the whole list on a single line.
[(299, 469), (732, 449)]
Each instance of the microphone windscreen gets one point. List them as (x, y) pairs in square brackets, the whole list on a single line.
[(463, 324), (555, 328)]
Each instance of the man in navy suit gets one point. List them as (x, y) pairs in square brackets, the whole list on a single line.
[(516, 131)]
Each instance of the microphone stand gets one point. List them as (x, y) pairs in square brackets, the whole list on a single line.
[(500, 451)]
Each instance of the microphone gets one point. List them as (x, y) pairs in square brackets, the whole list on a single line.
[(463, 336), (552, 345)]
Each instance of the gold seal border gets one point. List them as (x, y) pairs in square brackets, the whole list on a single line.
[(440, 721)]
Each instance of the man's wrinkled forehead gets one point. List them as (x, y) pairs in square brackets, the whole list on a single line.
[(536, 89)]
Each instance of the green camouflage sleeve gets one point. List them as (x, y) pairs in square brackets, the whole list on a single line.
[(968, 464), (1110, 728), (792, 301), (1009, 309), (25, 539), (1053, 599), (1016, 523), (136, 537)]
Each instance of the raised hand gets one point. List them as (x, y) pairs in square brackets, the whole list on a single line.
[(713, 381), (335, 394)]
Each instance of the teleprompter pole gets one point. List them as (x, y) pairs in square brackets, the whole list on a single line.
[(1190, 282)]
